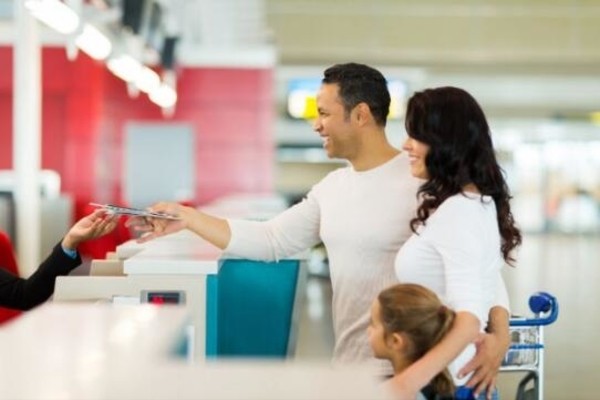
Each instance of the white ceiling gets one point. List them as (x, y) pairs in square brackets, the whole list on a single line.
[(546, 34), (520, 58), (556, 36)]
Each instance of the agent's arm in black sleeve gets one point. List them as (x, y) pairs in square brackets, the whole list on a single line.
[(24, 294)]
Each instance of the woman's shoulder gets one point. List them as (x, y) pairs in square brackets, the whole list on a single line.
[(466, 201), (460, 202), (464, 209)]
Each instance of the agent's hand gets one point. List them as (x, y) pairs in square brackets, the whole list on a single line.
[(491, 349), (151, 228), (92, 226)]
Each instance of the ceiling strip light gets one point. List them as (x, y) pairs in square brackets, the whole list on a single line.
[(147, 80), (125, 67), (164, 96), (93, 42), (55, 14)]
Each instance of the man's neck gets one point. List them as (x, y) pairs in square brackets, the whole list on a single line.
[(373, 156)]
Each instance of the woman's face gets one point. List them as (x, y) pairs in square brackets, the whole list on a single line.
[(417, 151)]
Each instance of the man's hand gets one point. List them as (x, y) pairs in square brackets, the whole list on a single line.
[(151, 228), (491, 349)]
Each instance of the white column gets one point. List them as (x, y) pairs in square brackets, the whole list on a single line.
[(27, 138)]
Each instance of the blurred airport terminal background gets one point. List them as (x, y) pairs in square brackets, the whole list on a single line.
[(239, 78)]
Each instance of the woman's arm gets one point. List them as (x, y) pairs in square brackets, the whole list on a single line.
[(465, 245), (491, 349)]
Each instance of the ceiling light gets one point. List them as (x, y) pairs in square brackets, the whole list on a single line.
[(125, 67), (147, 80), (55, 14), (164, 96), (93, 42)]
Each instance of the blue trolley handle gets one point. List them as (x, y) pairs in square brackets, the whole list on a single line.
[(540, 303)]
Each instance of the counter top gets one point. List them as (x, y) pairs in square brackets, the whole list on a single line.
[(99, 351), (90, 328), (59, 350), (185, 252), (179, 253)]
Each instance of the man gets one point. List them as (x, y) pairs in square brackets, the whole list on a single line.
[(361, 213)]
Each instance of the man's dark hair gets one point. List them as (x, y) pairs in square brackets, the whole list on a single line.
[(359, 83)]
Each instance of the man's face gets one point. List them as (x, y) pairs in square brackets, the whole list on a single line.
[(333, 125)]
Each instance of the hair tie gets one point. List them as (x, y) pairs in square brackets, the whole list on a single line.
[(442, 310)]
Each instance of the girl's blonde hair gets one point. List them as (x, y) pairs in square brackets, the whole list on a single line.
[(417, 314)]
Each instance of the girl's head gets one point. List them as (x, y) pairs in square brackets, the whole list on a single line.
[(450, 146), (407, 320)]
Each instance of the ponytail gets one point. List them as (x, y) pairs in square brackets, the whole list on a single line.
[(418, 315), (442, 383)]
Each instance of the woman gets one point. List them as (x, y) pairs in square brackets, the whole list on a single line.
[(24, 294), (464, 230)]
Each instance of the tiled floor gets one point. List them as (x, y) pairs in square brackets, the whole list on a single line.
[(566, 266)]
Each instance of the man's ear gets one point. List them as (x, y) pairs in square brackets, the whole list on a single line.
[(362, 113)]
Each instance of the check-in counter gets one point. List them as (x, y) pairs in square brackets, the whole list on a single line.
[(52, 350), (238, 308), (101, 351)]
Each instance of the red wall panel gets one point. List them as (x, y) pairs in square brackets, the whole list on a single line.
[(5, 129), (227, 109), (6, 72), (85, 110)]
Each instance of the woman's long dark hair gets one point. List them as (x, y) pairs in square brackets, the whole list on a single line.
[(452, 123)]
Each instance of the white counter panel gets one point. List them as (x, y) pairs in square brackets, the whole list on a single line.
[(63, 350), (179, 253), (103, 288), (250, 380)]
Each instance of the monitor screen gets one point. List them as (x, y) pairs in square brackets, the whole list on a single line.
[(302, 98), (7, 214)]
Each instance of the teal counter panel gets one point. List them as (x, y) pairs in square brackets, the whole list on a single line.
[(250, 307)]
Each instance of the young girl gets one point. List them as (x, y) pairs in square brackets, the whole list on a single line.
[(406, 321)]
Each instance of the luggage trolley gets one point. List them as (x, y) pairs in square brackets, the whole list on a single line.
[(526, 352)]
